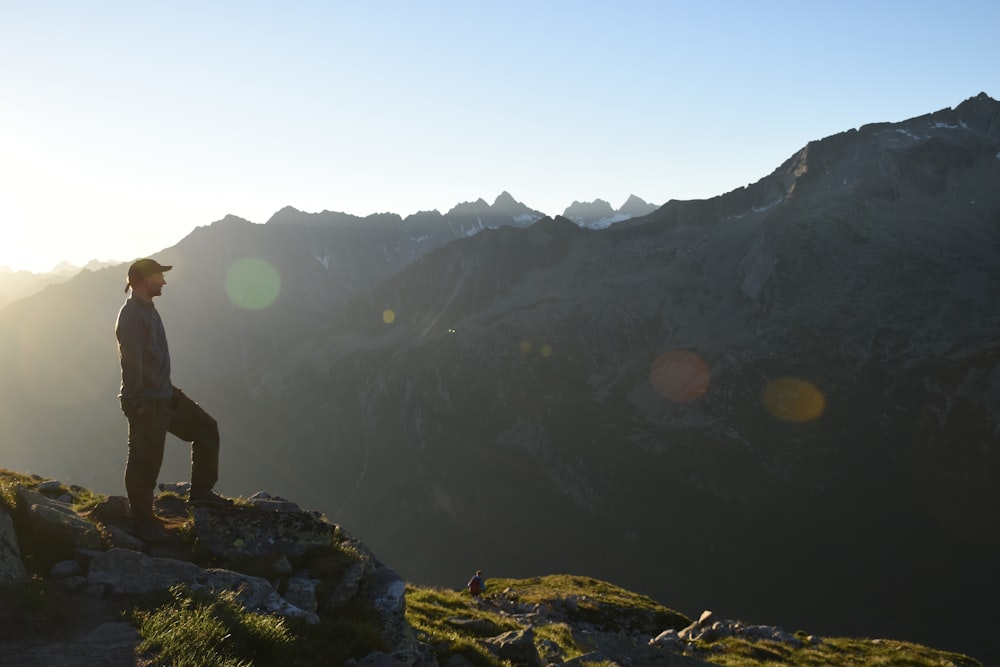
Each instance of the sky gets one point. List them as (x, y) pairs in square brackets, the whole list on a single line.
[(125, 125)]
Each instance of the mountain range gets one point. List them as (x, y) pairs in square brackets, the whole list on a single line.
[(464, 219), (793, 386)]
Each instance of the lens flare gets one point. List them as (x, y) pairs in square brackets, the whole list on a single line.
[(546, 351), (793, 400), (680, 376), (388, 315), (253, 283)]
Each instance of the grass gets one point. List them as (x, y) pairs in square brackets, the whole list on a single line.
[(453, 623), (432, 612), (199, 630), (834, 651), (597, 602), (8, 481)]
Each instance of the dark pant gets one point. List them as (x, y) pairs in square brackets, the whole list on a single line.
[(147, 434)]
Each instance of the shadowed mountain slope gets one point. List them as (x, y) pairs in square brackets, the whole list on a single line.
[(793, 385)]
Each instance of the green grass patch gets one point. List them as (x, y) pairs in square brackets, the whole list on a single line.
[(733, 652), (451, 622), (598, 602), (199, 629)]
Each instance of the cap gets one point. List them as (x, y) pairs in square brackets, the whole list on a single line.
[(142, 268)]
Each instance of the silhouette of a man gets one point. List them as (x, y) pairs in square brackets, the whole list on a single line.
[(154, 407)]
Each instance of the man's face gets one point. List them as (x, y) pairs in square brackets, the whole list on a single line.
[(154, 284)]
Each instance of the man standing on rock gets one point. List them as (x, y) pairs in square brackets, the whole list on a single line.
[(154, 407)]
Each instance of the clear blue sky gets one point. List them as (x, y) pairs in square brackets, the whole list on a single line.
[(124, 125)]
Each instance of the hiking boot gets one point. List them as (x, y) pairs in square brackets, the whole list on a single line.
[(151, 531), (208, 498)]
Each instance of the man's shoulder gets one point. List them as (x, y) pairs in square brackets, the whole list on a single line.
[(134, 309)]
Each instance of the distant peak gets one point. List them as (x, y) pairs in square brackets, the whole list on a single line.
[(635, 207), (287, 214), (505, 200)]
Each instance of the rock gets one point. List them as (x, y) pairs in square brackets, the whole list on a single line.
[(483, 627), (387, 593), (64, 569), (301, 592), (180, 488), (517, 646), (113, 509), (52, 521), (347, 587), (235, 533), (11, 566), (265, 501), (51, 488), (379, 659), (668, 640), (254, 593), (127, 571)]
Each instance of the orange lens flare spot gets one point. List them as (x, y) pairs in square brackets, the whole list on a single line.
[(388, 315), (680, 376), (793, 400)]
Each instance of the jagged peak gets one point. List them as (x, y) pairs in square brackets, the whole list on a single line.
[(506, 200), (478, 206)]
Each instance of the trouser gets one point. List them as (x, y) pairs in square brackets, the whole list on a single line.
[(147, 434)]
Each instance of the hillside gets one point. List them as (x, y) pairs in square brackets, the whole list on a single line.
[(267, 583), (791, 384)]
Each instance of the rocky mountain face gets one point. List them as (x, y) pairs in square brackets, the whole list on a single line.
[(790, 387)]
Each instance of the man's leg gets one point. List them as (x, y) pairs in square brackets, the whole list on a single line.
[(192, 424), (146, 436)]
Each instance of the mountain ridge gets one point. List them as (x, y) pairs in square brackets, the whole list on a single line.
[(610, 381)]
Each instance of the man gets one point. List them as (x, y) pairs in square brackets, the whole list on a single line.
[(155, 407), (477, 585)]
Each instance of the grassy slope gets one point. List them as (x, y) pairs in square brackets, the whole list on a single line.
[(597, 604)]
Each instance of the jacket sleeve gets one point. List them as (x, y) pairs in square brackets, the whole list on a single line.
[(130, 332)]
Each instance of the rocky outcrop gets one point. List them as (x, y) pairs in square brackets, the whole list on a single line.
[(259, 550), (697, 638)]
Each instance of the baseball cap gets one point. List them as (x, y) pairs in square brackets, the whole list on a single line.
[(141, 268)]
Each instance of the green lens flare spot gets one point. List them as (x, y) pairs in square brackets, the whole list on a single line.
[(252, 283)]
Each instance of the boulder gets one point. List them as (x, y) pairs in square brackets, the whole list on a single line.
[(127, 571), (254, 593), (11, 566), (54, 521), (517, 646), (301, 592), (241, 533)]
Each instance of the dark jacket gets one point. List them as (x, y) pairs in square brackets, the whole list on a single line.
[(144, 355)]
